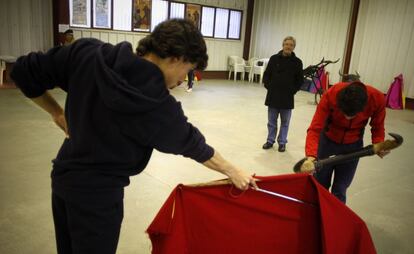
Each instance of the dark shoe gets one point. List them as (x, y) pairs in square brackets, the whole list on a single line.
[(282, 148), (267, 145)]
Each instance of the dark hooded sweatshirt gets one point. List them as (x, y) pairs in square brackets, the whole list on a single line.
[(117, 109)]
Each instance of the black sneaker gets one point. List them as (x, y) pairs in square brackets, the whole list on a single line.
[(282, 148), (267, 145)]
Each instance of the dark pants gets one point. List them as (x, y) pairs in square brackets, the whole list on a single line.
[(190, 77), (343, 173), (90, 224)]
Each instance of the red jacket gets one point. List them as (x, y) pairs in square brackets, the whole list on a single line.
[(337, 128)]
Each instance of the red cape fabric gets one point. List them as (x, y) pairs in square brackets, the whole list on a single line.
[(220, 219)]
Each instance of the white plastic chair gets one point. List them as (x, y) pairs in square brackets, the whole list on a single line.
[(259, 69), (236, 64), (3, 61), (249, 67)]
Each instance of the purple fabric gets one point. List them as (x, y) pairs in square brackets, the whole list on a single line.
[(317, 82), (394, 97)]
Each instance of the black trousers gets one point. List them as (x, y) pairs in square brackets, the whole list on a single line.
[(343, 173), (87, 224), (190, 77)]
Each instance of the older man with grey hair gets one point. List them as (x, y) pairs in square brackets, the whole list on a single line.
[(282, 78)]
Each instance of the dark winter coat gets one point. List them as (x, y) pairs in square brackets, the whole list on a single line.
[(283, 77)]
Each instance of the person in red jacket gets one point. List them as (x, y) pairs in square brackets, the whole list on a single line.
[(338, 127)]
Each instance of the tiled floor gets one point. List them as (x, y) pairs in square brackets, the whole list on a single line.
[(233, 118)]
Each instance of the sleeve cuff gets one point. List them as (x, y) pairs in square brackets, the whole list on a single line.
[(204, 155)]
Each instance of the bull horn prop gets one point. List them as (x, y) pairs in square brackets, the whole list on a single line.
[(365, 151)]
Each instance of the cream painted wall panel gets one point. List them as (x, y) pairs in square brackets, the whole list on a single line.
[(113, 38), (16, 23), (384, 43), (319, 26), (121, 37), (96, 35), (218, 49), (130, 38), (25, 26), (218, 54), (41, 24), (23, 14), (77, 33), (86, 34), (408, 62), (136, 39), (104, 37)]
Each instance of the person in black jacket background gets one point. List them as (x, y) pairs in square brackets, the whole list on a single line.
[(282, 78), (118, 109), (190, 81)]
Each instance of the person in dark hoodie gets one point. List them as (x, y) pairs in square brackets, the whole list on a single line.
[(118, 109), (282, 78)]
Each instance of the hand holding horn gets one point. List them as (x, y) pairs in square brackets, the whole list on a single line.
[(306, 165)]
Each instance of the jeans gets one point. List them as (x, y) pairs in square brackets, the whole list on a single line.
[(272, 116), (344, 173)]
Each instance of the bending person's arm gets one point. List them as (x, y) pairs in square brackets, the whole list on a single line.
[(240, 178), (49, 104), (377, 123), (167, 130), (38, 72)]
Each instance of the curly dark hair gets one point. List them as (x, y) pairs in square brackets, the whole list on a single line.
[(176, 38), (352, 99)]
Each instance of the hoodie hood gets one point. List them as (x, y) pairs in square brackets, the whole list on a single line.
[(128, 83)]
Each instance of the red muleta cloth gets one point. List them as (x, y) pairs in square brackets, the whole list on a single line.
[(211, 219)]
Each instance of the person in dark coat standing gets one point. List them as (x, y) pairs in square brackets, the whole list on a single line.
[(282, 78)]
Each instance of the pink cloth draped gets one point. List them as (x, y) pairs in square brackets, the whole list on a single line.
[(394, 98)]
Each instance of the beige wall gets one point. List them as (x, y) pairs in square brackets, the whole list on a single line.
[(319, 26), (384, 43), (25, 26)]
